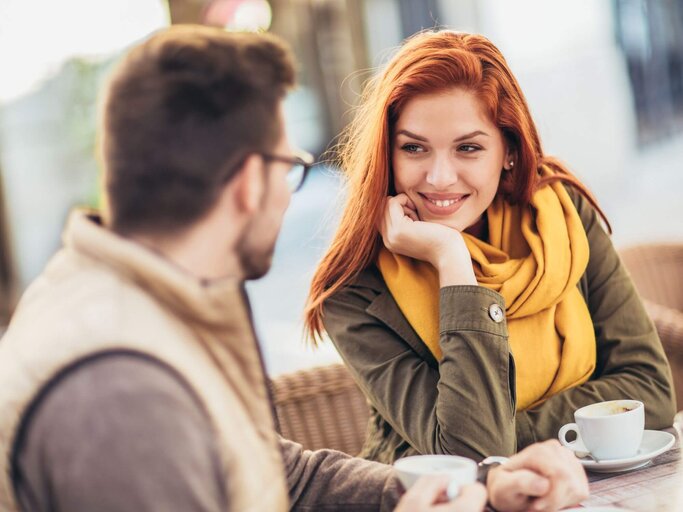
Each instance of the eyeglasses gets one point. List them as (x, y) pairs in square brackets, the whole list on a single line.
[(301, 163)]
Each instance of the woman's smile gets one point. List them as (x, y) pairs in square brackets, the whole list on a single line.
[(442, 204)]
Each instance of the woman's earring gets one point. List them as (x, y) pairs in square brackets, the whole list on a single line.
[(512, 164)]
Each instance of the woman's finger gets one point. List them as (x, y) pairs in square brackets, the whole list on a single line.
[(411, 214), (404, 200), (396, 205)]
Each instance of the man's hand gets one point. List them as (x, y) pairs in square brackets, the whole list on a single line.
[(514, 490), (429, 495), (542, 477)]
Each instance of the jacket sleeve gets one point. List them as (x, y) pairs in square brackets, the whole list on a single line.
[(463, 405), (630, 360), (331, 480)]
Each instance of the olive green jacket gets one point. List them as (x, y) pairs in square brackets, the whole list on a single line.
[(465, 403)]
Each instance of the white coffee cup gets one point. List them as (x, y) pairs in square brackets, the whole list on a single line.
[(461, 470), (608, 430)]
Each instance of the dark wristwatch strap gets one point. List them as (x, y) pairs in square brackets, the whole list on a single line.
[(487, 465)]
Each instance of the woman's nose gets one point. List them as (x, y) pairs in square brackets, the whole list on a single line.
[(442, 173)]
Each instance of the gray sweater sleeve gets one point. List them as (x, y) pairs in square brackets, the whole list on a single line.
[(328, 480), (118, 433)]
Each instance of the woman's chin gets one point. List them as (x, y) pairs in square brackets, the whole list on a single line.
[(449, 223)]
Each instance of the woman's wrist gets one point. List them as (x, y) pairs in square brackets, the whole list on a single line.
[(454, 265), (453, 277)]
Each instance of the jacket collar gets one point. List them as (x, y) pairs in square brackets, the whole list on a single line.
[(216, 302), (385, 309)]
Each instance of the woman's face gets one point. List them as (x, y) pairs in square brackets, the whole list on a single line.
[(447, 157)]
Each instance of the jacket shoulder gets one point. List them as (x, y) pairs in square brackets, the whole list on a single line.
[(588, 214), (368, 284)]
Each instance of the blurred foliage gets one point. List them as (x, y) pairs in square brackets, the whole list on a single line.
[(83, 81)]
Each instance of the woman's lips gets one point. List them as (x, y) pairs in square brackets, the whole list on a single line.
[(443, 204)]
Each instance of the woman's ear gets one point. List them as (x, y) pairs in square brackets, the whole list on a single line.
[(510, 160), (249, 185)]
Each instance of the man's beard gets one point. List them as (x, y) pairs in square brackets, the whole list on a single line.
[(255, 266), (255, 259), (256, 255)]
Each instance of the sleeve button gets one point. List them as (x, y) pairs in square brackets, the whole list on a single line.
[(496, 313)]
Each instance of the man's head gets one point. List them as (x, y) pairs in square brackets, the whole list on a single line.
[(185, 113)]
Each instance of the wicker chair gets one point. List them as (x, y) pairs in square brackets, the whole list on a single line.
[(321, 408), (657, 271)]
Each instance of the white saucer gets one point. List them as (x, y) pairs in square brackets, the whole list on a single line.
[(655, 442)]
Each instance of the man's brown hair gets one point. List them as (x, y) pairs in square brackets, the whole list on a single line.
[(181, 113)]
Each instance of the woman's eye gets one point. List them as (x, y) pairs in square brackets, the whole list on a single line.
[(469, 148), (412, 148)]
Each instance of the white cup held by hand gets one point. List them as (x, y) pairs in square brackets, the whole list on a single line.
[(609, 430), (461, 470)]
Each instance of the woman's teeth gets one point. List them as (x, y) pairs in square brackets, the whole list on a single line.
[(447, 202)]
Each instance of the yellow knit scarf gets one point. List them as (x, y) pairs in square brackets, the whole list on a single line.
[(534, 259)]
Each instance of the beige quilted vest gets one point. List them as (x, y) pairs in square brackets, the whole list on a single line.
[(102, 292)]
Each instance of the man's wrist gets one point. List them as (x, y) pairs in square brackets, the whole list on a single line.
[(487, 465)]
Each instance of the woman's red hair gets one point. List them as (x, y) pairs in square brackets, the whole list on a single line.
[(428, 62)]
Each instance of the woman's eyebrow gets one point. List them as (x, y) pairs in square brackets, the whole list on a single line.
[(411, 135), (458, 139), (470, 135)]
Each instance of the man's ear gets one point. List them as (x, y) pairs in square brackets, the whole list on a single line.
[(249, 184)]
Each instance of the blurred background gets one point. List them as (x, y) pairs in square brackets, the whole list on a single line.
[(604, 80)]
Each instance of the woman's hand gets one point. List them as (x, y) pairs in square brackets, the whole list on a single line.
[(403, 233), (429, 495)]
